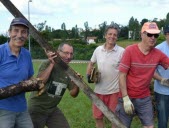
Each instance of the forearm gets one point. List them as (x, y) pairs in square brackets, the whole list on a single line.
[(122, 84), (89, 68), (44, 75), (157, 76)]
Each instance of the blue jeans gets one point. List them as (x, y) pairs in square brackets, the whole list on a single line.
[(9, 119), (162, 106)]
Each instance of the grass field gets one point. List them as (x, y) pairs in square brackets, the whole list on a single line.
[(78, 110)]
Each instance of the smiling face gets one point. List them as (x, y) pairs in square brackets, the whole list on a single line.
[(18, 35), (111, 36)]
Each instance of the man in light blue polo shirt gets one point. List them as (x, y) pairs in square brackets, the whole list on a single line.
[(15, 66), (162, 91)]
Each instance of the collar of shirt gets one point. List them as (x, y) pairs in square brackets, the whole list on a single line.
[(113, 49)]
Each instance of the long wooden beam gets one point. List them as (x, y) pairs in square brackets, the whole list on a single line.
[(67, 69), (23, 86)]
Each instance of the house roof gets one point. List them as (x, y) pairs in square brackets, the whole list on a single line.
[(91, 37)]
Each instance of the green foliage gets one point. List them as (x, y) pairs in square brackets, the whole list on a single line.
[(3, 39), (160, 39), (83, 52), (41, 26)]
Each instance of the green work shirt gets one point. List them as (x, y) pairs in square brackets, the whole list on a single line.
[(45, 102)]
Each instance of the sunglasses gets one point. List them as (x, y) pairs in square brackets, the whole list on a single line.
[(150, 35)]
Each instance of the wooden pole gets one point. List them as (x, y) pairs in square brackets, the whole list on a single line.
[(67, 69), (25, 86)]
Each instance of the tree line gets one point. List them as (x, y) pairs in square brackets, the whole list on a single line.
[(77, 36)]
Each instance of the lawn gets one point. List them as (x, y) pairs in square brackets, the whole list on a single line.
[(78, 110)]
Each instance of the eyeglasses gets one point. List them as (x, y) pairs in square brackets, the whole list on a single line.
[(67, 53), (150, 35)]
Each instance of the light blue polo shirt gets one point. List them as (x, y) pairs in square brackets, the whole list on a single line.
[(161, 89), (13, 70)]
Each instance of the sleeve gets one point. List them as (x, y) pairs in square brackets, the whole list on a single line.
[(94, 57), (164, 60), (43, 66), (125, 62), (31, 69)]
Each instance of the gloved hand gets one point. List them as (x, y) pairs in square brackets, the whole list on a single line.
[(128, 106), (88, 78), (165, 82)]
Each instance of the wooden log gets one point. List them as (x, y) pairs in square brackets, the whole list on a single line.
[(67, 69), (24, 86)]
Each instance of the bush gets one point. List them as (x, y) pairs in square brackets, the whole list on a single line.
[(160, 39), (3, 39), (82, 51)]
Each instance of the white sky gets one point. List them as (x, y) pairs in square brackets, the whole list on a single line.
[(73, 12)]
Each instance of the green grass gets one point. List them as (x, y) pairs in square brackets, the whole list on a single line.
[(126, 43)]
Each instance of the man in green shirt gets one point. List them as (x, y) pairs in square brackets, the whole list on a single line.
[(43, 109)]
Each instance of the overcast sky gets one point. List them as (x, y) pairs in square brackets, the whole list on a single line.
[(73, 12)]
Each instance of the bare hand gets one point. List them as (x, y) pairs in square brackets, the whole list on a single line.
[(51, 56)]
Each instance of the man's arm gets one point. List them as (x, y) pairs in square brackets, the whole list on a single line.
[(89, 67), (75, 91), (157, 76), (127, 104), (163, 81), (122, 83), (89, 70), (44, 75)]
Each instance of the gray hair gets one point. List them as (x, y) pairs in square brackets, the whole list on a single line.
[(112, 26), (60, 47)]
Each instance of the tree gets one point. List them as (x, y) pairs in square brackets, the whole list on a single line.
[(40, 26), (64, 33), (102, 27), (63, 26), (131, 24), (74, 32), (161, 23), (86, 30), (167, 19), (3, 39), (124, 32), (134, 28), (143, 21)]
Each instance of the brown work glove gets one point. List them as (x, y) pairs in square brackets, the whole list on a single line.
[(165, 82)]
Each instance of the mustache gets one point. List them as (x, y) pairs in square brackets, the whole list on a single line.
[(19, 39)]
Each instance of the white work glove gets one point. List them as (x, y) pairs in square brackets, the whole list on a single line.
[(128, 106), (165, 82)]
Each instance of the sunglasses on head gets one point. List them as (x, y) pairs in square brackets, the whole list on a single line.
[(150, 35)]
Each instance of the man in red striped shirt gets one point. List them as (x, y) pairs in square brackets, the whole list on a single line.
[(137, 68)]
